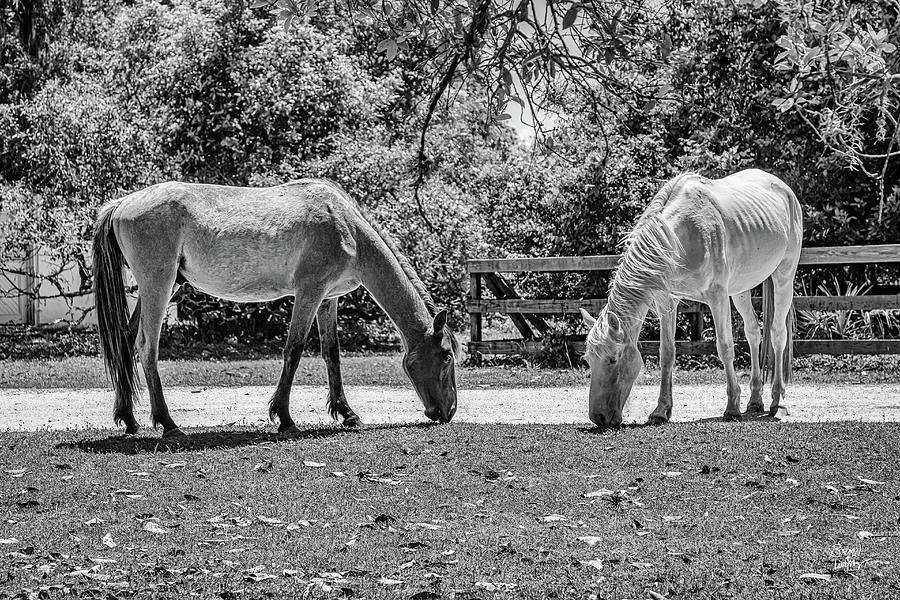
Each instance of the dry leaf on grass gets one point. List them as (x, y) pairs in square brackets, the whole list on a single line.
[(554, 518), (153, 527), (815, 577), (869, 481), (263, 467), (597, 563), (313, 465), (601, 493), (591, 540), (108, 541)]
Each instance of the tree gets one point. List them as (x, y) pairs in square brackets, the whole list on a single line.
[(845, 80), (619, 55)]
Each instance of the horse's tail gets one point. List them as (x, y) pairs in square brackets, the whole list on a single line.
[(112, 313), (767, 354)]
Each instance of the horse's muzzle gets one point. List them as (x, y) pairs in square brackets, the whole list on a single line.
[(440, 415), (601, 420)]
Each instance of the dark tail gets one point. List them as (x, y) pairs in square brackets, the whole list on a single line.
[(767, 353), (112, 313)]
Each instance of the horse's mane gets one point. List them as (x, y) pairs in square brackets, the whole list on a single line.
[(648, 260), (648, 253)]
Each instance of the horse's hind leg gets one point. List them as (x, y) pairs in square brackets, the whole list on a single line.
[(155, 295), (305, 306), (126, 413), (744, 305), (783, 288), (720, 308), (331, 353)]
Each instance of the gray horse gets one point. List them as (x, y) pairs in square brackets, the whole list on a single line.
[(305, 239)]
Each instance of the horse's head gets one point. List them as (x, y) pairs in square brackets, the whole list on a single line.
[(430, 363), (615, 364)]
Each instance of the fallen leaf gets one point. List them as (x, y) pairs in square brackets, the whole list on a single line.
[(9, 541), (671, 474), (656, 595), (597, 563), (870, 481), (312, 464), (591, 540), (601, 493), (863, 535), (153, 527), (270, 520), (338, 473), (108, 541), (388, 581), (815, 577), (15, 473), (263, 467), (430, 526), (551, 518), (407, 565)]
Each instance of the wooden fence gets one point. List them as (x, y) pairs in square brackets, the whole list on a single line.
[(525, 313)]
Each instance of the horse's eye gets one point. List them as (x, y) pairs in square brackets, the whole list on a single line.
[(612, 361)]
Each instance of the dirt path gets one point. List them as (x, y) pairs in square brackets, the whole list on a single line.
[(29, 409)]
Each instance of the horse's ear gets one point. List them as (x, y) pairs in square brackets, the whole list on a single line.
[(440, 321), (588, 319), (614, 327)]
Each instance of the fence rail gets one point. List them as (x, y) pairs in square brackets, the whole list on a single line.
[(525, 313)]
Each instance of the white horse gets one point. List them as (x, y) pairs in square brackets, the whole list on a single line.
[(305, 239), (704, 240)]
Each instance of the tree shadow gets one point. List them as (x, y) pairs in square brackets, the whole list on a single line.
[(201, 440)]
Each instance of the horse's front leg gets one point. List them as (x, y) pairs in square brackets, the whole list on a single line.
[(667, 321), (336, 403), (744, 305), (305, 305), (720, 307)]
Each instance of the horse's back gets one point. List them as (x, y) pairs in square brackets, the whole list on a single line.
[(746, 224), (242, 243)]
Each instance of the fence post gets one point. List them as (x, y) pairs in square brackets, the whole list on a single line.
[(475, 318)]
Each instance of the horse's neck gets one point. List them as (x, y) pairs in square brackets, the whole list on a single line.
[(382, 275)]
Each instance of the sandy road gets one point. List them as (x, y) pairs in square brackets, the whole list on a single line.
[(32, 409)]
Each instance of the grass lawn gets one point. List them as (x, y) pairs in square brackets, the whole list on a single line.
[(385, 370), (700, 510)]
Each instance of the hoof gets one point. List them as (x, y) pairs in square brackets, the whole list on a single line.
[(755, 408), (174, 434), (291, 429), (352, 421), (732, 417), (773, 411), (656, 420), (132, 429)]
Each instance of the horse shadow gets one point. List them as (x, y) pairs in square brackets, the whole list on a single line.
[(214, 439), (746, 418)]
